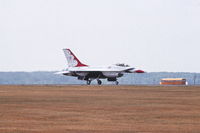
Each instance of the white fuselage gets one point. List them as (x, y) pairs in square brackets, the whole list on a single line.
[(109, 72), (88, 73)]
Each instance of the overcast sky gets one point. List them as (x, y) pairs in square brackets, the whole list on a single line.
[(154, 35)]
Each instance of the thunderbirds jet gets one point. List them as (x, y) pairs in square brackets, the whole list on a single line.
[(89, 73)]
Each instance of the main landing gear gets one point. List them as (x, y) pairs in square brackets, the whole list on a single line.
[(99, 82), (88, 82)]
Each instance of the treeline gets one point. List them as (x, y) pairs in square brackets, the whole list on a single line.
[(43, 77)]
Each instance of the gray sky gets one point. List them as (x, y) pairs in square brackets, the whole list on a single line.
[(154, 35)]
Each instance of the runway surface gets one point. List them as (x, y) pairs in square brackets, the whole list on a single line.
[(99, 109)]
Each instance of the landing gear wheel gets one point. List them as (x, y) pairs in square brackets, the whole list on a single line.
[(116, 82), (99, 82), (88, 82)]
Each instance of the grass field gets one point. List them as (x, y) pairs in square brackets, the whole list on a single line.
[(99, 109)]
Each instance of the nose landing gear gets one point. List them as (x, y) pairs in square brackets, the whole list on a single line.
[(116, 82)]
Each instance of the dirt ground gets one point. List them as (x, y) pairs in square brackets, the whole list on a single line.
[(99, 109)]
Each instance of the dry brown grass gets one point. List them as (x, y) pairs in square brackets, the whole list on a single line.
[(99, 109)]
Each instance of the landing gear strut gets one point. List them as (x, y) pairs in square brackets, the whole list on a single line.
[(99, 82)]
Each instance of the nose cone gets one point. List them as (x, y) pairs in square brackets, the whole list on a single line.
[(139, 71)]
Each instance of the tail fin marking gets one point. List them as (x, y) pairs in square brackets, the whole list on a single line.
[(72, 60)]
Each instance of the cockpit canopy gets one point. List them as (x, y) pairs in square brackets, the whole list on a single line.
[(122, 65)]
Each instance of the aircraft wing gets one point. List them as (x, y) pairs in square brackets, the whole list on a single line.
[(63, 72)]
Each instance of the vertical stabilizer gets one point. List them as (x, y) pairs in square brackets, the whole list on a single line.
[(72, 60)]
